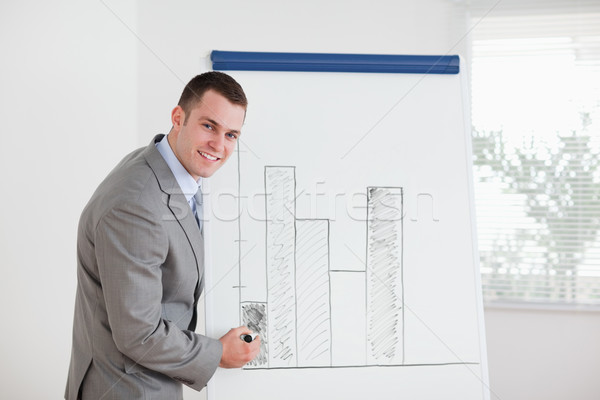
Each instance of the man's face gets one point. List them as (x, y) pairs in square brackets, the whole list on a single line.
[(209, 136)]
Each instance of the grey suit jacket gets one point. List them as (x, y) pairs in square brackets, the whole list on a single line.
[(140, 274)]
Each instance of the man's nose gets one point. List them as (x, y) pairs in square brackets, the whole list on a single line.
[(217, 142)]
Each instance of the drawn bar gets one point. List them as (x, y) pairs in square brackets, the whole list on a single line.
[(254, 316), (348, 318), (385, 311), (280, 191), (321, 62), (312, 291)]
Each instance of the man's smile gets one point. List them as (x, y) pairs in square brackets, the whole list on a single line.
[(208, 156)]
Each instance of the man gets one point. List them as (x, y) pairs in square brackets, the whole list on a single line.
[(140, 259)]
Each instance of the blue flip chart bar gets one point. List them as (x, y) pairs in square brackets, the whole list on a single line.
[(321, 62)]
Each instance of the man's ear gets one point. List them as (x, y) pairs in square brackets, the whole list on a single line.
[(177, 117)]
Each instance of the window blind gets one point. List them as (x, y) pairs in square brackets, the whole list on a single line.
[(536, 143)]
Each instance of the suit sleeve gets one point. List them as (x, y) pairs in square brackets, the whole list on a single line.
[(131, 247)]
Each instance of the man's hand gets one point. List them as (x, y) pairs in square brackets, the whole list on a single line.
[(236, 352)]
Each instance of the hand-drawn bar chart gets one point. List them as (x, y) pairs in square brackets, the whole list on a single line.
[(306, 315)]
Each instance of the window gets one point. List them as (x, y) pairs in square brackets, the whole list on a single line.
[(536, 115)]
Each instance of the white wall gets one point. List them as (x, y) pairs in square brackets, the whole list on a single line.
[(84, 82), (543, 354)]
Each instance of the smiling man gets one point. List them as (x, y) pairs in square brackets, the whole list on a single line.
[(140, 259)]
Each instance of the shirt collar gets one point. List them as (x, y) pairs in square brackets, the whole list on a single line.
[(188, 185)]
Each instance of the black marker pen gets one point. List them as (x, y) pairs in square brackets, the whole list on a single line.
[(248, 338)]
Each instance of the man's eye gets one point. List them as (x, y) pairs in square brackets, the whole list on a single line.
[(232, 135), (208, 126)]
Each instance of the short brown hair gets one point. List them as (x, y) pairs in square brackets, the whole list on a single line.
[(221, 83)]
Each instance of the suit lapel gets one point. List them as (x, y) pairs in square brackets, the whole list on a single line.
[(176, 201)]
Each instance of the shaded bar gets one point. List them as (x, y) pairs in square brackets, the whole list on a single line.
[(254, 316), (385, 308), (280, 190), (312, 291)]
